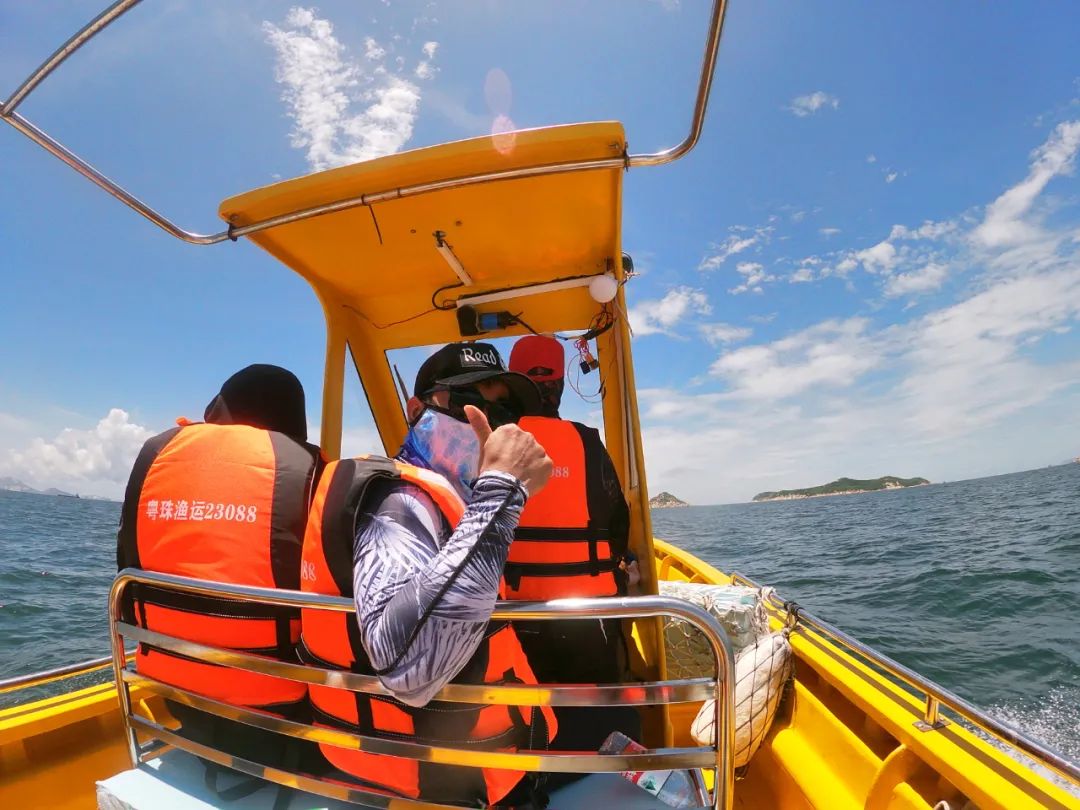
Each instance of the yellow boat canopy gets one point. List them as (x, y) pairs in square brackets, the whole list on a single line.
[(381, 260), (480, 218)]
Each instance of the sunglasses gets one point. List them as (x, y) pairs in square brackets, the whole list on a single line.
[(498, 412)]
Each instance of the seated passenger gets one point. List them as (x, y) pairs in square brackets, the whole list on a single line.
[(226, 501), (419, 543), (572, 541)]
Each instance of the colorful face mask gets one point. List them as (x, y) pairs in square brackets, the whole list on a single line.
[(446, 446)]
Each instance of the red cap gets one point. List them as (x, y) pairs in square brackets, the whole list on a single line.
[(538, 357)]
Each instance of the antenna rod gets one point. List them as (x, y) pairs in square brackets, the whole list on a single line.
[(401, 384)]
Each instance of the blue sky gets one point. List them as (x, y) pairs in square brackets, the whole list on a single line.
[(870, 265)]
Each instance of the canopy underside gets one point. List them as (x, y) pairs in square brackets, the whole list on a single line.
[(381, 260)]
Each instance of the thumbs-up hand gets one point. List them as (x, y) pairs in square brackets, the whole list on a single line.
[(511, 450)]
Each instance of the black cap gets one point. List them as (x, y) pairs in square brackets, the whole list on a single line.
[(262, 396), (457, 365)]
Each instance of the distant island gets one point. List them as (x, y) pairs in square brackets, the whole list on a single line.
[(15, 485), (665, 500), (842, 486)]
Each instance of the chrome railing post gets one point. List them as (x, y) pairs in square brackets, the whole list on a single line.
[(35, 679), (701, 101), (932, 718), (119, 660), (117, 9), (724, 721), (77, 40)]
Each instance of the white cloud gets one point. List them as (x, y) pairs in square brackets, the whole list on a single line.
[(662, 316), (967, 362), (871, 158), (928, 230), (833, 353), (803, 106), (842, 268), (798, 411), (741, 238), (801, 275), (879, 258), (425, 70), (97, 460), (891, 176), (717, 333), (667, 5), (828, 231), (728, 248), (1004, 223), (754, 276), (926, 279), (344, 109), (984, 384), (372, 49)]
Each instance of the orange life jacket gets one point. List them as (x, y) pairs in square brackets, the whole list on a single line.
[(332, 640), (563, 544), (224, 503)]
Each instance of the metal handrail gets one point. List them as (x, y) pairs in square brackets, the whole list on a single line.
[(691, 690), (936, 695), (112, 13), (718, 757), (46, 675)]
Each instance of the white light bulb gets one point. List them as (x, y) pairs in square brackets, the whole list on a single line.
[(603, 289)]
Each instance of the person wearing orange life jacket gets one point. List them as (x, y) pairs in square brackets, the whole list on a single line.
[(419, 543), (225, 500), (572, 541)]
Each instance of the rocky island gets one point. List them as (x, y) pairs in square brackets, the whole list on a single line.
[(9, 484), (665, 500), (842, 486)]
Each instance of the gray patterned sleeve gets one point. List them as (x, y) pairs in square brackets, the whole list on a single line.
[(423, 595)]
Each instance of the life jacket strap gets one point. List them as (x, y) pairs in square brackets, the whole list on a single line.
[(513, 572), (207, 605), (546, 534), (505, 739)]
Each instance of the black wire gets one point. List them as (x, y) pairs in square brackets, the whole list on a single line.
[(451, 305), (518, 319), (392, 323), (600, 324)]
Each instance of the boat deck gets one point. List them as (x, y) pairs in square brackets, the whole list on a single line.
[(846, 736)]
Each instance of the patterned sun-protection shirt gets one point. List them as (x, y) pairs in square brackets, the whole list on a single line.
[(424, 594)]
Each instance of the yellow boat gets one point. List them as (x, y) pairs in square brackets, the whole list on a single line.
[(522, 222)]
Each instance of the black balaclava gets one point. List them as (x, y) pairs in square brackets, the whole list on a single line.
[(551, 392), (262, 396)]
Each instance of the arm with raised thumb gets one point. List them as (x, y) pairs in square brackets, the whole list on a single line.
[(510, 450)]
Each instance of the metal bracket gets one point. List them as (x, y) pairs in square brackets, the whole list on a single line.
[(922, 725), (932, 718)]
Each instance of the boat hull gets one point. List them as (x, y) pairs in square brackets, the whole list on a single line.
[(846, 736)]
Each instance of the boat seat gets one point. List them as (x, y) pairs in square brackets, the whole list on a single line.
[(175, 780)]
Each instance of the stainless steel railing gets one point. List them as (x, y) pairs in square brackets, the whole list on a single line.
[(935, 695), (718, 757), (112, 13), (45, 676)]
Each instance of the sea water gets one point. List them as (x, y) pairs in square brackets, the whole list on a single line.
[(975, 584)]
